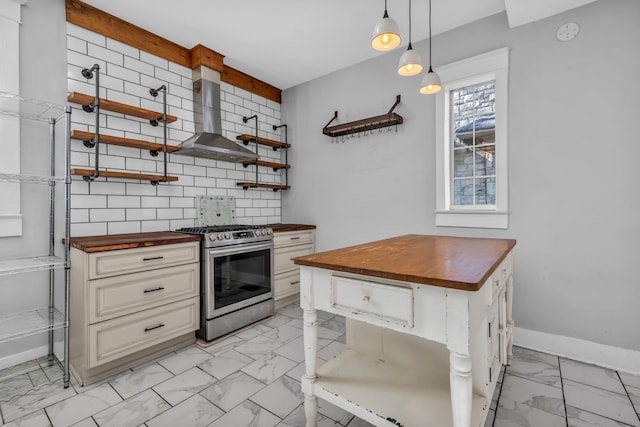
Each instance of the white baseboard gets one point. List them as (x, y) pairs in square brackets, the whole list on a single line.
[(16, 359), (620, 359)]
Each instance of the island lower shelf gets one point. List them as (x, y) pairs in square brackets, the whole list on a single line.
[(391, 394)]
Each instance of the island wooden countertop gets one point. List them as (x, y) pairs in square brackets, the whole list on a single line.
[(452, 262), (131, 240)]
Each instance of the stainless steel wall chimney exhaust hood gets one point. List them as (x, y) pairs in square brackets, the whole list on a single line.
[(208, 141)]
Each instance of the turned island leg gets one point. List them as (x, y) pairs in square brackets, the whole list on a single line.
[(461, 384), (310, 327)]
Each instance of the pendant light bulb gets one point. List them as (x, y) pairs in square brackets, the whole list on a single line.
[(386, 33), (410, 61), (431, 81)]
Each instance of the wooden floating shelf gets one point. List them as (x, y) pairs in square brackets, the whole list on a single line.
[(117, 107), (246, 139), (125, 175), (273, 165), (123, 142), (274, 187)]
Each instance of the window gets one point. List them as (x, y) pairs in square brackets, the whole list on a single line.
[(471, 143)]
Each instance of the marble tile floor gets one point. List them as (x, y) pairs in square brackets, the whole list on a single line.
[(252, 378)]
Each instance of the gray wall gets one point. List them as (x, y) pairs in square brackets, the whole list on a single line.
[(574, 200)]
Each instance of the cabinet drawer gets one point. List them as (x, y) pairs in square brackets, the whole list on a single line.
[(120, 295), (290, 238), (286, 284), (125, 335), (388, 303), (111, 263), (283, 257)]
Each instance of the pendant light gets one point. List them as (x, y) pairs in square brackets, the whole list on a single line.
[(430, 81), (386, 35), (410, 61)]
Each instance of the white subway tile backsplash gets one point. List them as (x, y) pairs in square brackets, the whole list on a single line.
[(88, 229), (149, 226), (124, 206), (154, 202), (145, 189), (106, 215), (123, 48), (139, 66), (168, 76), (80, 215), (171, 213), (123, 227), (77, 45), (141, 214), (154, 60), (123, 202), (123, 73), (105, 54), (84, 34), (88, 201)]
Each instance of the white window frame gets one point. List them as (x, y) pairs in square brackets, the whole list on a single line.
[(10, 213), (488, 66)]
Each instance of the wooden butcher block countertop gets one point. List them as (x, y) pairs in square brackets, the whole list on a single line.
[(132, 240), (281, 228), (452, 262)]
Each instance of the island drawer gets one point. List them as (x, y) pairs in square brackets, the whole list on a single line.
[(119, 337), (120, 295), (388, 303), (111, 263)]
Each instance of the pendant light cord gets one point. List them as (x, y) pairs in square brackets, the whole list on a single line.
[(409, 24), (429, 33)]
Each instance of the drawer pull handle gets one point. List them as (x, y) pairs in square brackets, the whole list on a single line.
[(159, 288), (366, 299), (161, 325), (153, 258), (295, 238), (296, 282)]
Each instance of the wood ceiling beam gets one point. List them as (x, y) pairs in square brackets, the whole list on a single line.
[(96, 20)]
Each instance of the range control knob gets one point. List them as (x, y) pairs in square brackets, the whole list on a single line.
[(268, 231), (227, 235), (258, 232), (212, 237), (220, 236)]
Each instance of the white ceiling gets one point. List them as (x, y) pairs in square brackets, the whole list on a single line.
[(288, 42)]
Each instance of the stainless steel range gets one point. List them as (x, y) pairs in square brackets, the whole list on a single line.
[(236, 286)]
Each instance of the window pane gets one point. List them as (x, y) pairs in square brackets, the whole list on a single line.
[(485, 161), (463, 192), (473, 145), (463, 162), (485, 191)]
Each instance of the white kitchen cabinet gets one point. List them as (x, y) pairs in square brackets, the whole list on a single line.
[(286, 278), (428, 327), (131, 305)]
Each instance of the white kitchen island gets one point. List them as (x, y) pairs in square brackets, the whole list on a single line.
[(428, 327)]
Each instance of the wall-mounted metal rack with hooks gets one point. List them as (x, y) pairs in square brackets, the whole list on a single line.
[(364, 125)]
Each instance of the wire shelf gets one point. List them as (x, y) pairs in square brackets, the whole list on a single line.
[(25, 265), (32, 322), (31, 179), (21, 379), (31, 109)]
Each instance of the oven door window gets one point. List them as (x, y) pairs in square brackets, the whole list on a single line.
[(241, 276)]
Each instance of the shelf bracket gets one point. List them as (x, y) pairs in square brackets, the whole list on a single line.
[(89, 143), (154, 153)]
